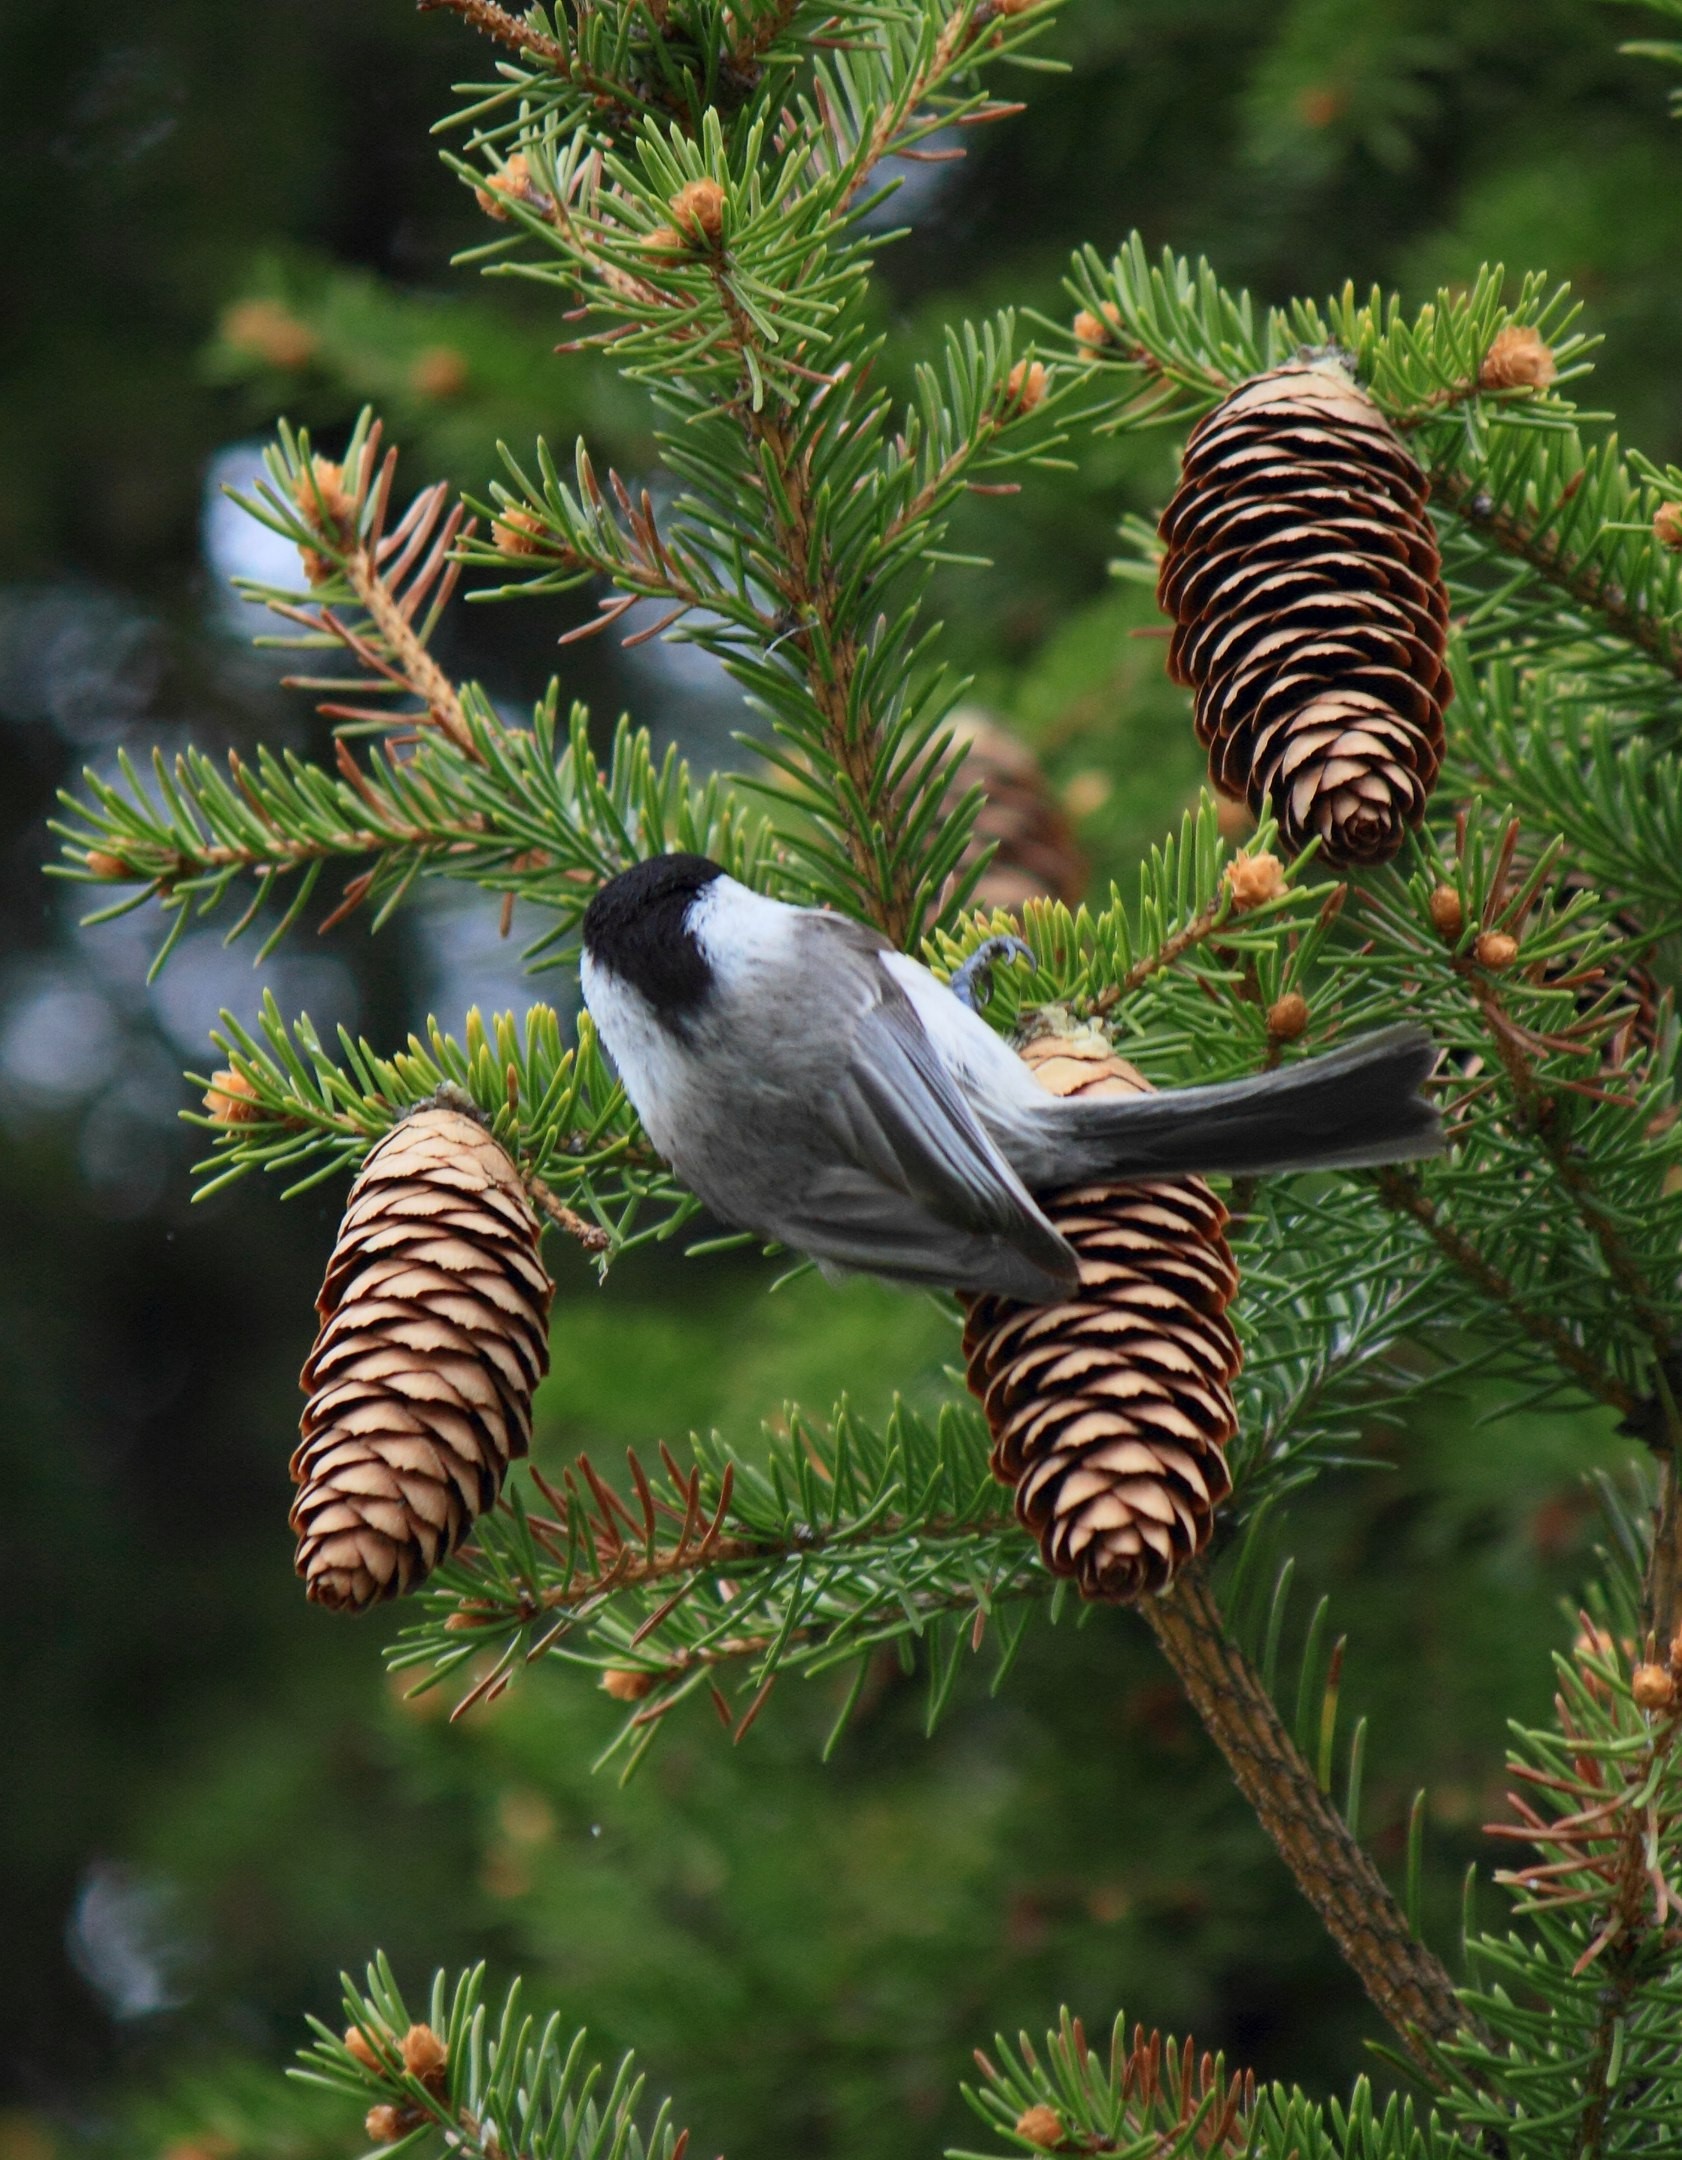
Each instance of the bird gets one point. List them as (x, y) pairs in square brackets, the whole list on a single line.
[(815, 1086)]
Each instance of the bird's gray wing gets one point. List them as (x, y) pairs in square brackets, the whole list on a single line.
[(913, 1185)]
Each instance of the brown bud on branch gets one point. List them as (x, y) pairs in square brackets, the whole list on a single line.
[(1518, 359)]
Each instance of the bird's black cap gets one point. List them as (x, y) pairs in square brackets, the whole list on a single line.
[(635, 928)]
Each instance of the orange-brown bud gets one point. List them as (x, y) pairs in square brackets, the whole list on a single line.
[(1496, 950), (663, 241), (425, 2056), (322, 496), (517, 532), (232, 1100), (1025, 385), (107, 866), (627, 1683), (1593, 1641), (514, 180), (1097, 331), (265, 329), (359, 2044), (1041, 2126), (1448, 914), (1253, 880), (1667, 525), (1517, 359), (698, 209), (385, 2124), (1287, 1016), (1652, 1687)]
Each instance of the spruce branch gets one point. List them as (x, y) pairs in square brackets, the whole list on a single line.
[(1524, 735), (516, 33), (916, 108), (286, 1105), (1142, 2096), (1598, 1796), (1147, 2099), (1345, 1319), (848, 1541), (592, 61), (1404, 1192), (733, 275), (812, 606), (1169, 966), (336, 515), (528, 812), (1403, 1979), (1582, 522), (488, 2084)]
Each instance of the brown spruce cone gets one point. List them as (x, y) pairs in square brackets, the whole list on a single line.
[(1037, 856), (1305, 580), (434, 1332), (1111, 1411)]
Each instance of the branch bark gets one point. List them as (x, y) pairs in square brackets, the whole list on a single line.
[(1405, 1982)]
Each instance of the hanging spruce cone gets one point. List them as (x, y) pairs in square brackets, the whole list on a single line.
[(1111, 1411), (434, 1333), (1037, 856), (1304, 577)]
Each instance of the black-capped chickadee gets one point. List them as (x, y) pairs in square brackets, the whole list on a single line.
[(813, 1085)]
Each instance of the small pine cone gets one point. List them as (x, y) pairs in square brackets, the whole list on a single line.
[(1304, 577), (1036, 855), (435, 1315), (1111, 1410)]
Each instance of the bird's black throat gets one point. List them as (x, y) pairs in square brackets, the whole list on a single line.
[(635, 927)]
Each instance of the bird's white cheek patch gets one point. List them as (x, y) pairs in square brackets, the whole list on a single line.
[(748, 940), (649, 1062)]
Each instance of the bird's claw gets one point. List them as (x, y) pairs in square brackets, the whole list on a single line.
[(973, 983)]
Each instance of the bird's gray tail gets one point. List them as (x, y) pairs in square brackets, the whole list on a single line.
[(1344, 1110)]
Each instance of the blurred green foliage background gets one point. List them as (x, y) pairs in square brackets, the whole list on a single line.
[(213, 1798)]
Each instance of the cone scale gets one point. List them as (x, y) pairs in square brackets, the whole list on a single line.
[(1111, 1410), (1305, 582), (434, 1333)]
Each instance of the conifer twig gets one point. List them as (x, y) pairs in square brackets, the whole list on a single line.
[(1607, 1783), (590, 1235), (812, 598), (1403, 1192), (1402, 1978), (1575, 575), (506, 28)]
